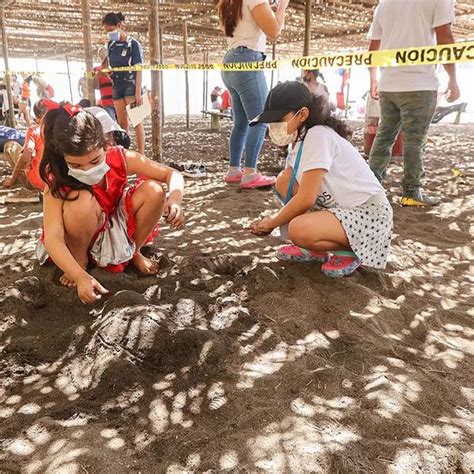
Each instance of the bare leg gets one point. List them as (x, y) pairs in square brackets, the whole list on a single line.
[(81, 222), (122, 117), (24, 109), (320, 231), (140, 138), (147, 206)]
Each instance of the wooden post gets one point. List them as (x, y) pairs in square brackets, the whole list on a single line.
[(347, 94), (273, 58), (69, 78), (8, 83), (87, 33), (186, 75), (162, 84), (204, 92), (206, 83), (156, 133), (307, 28)]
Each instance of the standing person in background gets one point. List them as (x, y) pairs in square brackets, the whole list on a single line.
[(82, 87), (247, 23), (16, 90), (311, 81), (215, 94), (25, 101), (226, 103), (408, 95), (123, 50), (103, 82)]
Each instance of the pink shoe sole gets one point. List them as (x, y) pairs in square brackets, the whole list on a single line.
[(293, 253), (259, 182), (233, 179), (341, 266)]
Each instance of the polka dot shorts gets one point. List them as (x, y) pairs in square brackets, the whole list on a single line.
[(369, 228)]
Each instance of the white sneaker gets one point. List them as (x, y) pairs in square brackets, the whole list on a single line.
[(195, 170)]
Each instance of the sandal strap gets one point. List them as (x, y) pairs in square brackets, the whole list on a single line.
[(344, 253)]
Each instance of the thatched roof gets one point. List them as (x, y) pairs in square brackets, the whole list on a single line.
[(53, 28)]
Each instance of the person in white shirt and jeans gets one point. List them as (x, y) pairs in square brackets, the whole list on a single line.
[(408, 95), (247, 24)]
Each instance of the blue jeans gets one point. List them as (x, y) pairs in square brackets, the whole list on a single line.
[(110, 109), (249, 91)]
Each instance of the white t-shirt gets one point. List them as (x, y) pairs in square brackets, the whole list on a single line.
[(405, 24), (319, 89), (247, 32), (349, 182)]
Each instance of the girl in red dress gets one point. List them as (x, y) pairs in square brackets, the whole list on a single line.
[(91, 212)]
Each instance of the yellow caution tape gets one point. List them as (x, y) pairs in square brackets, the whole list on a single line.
[(419, 56), (24, 74)]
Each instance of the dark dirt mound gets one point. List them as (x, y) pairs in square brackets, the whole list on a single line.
[(230, 360)]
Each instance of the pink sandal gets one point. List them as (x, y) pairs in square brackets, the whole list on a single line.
[(259, 181), (293, 253), (341, 264)]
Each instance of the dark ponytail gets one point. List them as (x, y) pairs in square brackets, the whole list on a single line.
[(229, 12), (39, 109), (64, 134), (113, 19), (320, 114)]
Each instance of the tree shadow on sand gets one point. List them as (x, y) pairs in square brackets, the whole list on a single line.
[(230, 360)]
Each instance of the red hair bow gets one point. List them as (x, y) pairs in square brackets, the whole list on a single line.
[(49, 104), (72, 109)]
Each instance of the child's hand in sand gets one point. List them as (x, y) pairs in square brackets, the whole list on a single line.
[(174, 214), (261, 227), (89, 289)]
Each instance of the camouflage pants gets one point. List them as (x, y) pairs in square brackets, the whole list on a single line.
[(412, 112)]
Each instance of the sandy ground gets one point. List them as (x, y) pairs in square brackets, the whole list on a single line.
[(231, 360)]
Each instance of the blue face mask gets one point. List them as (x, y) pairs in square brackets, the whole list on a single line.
[(114, 35)]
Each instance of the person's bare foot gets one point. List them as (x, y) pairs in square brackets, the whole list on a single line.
[(66, 280), (145, 265)]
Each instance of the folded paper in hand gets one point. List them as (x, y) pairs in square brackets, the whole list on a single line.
[(138, 113)]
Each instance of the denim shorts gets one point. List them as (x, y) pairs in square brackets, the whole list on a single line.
[(123, 89)]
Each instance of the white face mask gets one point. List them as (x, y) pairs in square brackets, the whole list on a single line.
[(91, 176), (279, 133)]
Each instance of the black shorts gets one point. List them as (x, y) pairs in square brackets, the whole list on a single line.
[(123, 89)]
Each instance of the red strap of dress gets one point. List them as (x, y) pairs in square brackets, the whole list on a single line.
[(49, 104), (71, 109)]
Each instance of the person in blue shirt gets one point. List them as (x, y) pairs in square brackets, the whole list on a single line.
[(8, 134), (123, 50)]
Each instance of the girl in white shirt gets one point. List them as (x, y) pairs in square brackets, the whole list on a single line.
[(352, 220)]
